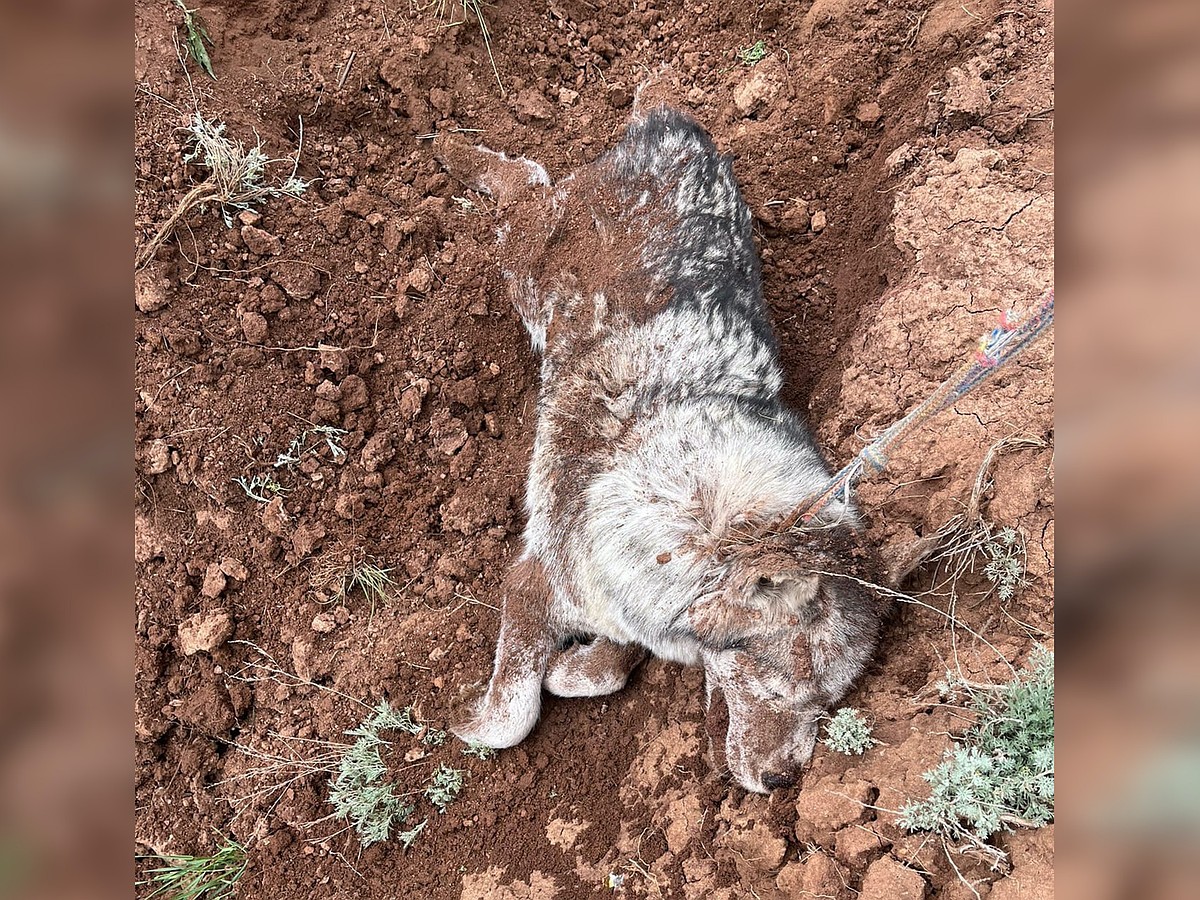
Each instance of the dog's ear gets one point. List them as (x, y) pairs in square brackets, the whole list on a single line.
[(775, 580), (764, 590), (790, 590)]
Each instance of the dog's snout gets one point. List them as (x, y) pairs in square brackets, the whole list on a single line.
[(774, 781)]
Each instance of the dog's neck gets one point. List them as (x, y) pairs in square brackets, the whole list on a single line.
[(692, 480)]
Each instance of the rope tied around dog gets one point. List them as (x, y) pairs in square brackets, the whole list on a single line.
[(1001, 345)]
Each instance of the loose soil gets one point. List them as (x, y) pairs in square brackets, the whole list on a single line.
[(898, 157)]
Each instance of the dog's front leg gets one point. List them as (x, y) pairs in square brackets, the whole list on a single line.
[(510, 708), (593, 670)]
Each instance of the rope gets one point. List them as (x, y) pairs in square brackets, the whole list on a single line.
[(1006, 341)]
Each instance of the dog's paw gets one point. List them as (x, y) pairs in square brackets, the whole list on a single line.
[(592, 670), (499, 719)]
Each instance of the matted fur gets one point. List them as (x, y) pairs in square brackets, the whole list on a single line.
[(663, 456)]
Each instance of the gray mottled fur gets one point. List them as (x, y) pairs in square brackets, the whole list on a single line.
[(662, 456)]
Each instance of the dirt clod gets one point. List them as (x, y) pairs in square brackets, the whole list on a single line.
[(205, 632), (254, 327), (419, 281), (147, 543), (759, 91), (531, 106), (354, 393), (827, 805), (324, 623), (298, 280), (275, 518), (967, 93), (333, 359), (888, 879), (214, 581), (350, 506), (306, 538), (378, 451), (235, 568), (155, 457), (868, 113), (150, 292), (856, 845), (260, 242), (816, 876)]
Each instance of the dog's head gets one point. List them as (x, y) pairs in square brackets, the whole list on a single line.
[(780, 644)]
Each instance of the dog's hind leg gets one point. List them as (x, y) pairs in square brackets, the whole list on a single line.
[(592, 670), (510, 708)]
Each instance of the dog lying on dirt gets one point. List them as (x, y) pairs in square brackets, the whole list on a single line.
[(666, 474)]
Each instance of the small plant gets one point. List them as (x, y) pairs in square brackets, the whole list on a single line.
[(363, 790), (262, 487), (434, 737), (358, 792), (299, 447), (406, 838), (753, 54), (446, 785), (236, 179), (359, 571), (1001, 774), (1005, 550), (195, 35), (969, 538), (200, 877), (479, 751), (849, 733)]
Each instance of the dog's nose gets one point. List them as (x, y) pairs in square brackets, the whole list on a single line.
[(773, 781)]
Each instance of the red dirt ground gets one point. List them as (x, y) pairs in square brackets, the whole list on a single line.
[(899, 159)]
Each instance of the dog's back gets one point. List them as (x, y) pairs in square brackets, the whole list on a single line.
[(660, 431)]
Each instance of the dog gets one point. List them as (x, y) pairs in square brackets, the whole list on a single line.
[(666, 473)]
